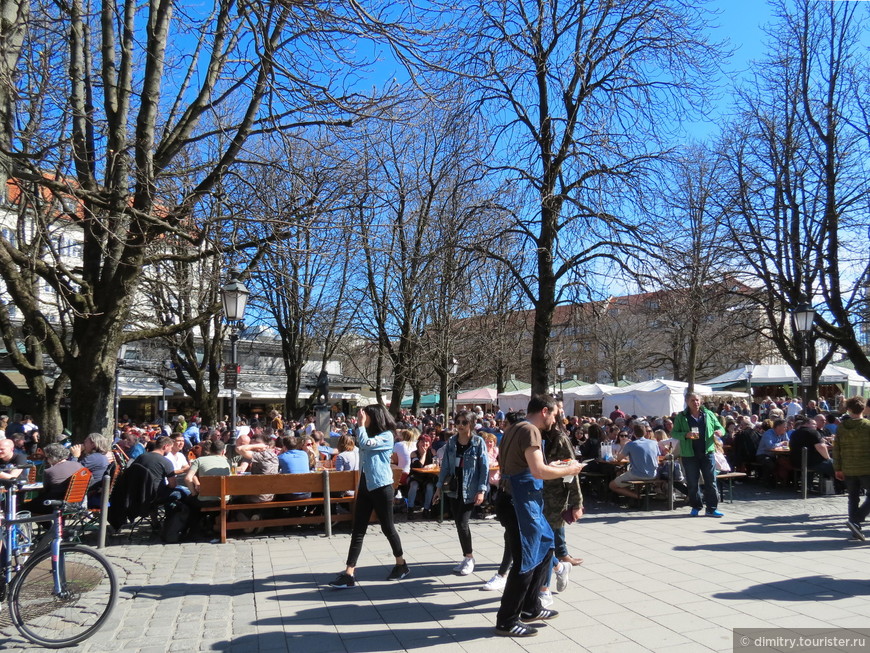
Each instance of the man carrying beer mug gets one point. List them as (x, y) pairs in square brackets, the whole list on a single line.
[(695, 429)]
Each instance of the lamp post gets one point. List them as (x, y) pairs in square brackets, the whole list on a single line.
[(749, 382), (560, 372), (234, 296), (454, 368), (803, 316)]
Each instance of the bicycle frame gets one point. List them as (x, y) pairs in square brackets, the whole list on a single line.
[(52, 538)]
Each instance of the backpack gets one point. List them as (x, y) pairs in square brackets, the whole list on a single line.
[(175, 523)]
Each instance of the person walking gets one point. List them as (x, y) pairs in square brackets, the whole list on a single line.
[(375, 492), (695, 430), (529, 534), (465, 459), (852, 463)]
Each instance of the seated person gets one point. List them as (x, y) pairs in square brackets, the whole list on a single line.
[(262, 459), (179, 461), (643, 458), (211, 462), (807, 436), (326, 452), (94, 454), (772, 438), (292, 460), (348, 455), (423, 458), (54, 481), (9, 456)]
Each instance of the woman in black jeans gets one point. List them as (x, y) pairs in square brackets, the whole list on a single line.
[(375, 492), (465, 457)]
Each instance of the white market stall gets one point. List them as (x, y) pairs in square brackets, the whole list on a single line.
[(574, 399), (509, 402), (651, 398)]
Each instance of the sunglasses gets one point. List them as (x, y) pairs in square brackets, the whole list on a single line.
[(463, 422)]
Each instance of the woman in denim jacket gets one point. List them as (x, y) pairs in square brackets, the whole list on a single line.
[(465, 456), (375, 492)]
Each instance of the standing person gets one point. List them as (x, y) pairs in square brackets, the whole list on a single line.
[(695, 429), (560, 496), (529, 535), (375, 492), (465, 458), (852, 463)]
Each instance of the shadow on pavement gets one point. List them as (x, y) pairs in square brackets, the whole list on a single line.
[(316, 641), (807, 588)]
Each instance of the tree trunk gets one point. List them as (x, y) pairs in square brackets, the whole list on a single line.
[(93, 400)]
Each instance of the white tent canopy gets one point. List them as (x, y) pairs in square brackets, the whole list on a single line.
[(651, 398), (784, 375), (484, 395), (512, 401)]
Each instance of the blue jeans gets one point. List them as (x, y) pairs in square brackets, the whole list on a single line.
[(561, 546), (694, 467)]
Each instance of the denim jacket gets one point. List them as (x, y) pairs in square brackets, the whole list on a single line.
[(374, 458), (475, 467)]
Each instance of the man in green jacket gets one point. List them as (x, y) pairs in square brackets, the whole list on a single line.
[(696, 429), (852, 462)]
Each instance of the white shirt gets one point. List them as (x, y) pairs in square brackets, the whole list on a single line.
[(403, 453), (178, 460)]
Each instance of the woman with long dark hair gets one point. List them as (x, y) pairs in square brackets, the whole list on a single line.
[(375, 491), (465, 459)]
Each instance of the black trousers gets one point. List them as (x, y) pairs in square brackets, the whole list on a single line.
[(461, 514), (381, 501), (521, 592)]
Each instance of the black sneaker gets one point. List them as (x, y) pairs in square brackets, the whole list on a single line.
[(343, 581), (517, 630), (399, 572), (856, 531), (543, 615)]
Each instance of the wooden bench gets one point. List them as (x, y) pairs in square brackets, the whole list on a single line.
[(644, 489), (324, 484), (728, 476)]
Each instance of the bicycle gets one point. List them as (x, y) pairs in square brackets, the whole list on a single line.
[(59, 593)]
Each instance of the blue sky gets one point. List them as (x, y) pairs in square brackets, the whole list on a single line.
[(741, 23)]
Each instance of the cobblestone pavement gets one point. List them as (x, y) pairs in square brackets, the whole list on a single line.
[(652, 581)]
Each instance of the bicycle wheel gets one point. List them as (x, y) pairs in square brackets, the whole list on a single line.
[(89, 591)]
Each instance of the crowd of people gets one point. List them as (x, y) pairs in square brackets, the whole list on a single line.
[(523, 468)]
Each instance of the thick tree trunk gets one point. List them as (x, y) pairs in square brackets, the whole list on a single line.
[(92, 396), (46, 414)]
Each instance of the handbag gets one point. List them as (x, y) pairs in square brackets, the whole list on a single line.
[(679, 475), (450, 486)]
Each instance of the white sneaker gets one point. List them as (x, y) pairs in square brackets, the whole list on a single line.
[(495, 584), (465, 567), (563, 571), (546, 597)]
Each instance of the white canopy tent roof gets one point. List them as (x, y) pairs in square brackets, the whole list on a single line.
[(783, 374), (484, 395), (651, 398)]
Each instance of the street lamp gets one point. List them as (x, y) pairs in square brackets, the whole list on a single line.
[(234, 296), (749, 382), (803, 316), (560, 372), (454, 369)]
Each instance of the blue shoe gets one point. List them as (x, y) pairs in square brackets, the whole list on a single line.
[(714, 513), (695, 512)]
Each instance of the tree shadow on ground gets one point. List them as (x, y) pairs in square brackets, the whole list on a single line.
[(807, 588)]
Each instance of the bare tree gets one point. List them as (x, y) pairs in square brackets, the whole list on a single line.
[(136, 126), (798, 181), (424, 200), (576, 91)]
